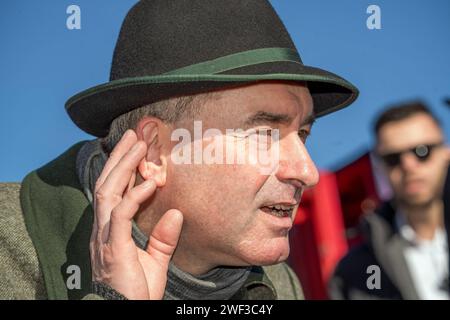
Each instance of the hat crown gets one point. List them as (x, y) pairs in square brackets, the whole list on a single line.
[(158, 36), (169, 48)]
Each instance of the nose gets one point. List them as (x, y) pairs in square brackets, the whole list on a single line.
[(408, 162), (295, 164)]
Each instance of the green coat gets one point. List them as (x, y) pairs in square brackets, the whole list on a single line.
[(45, 226)]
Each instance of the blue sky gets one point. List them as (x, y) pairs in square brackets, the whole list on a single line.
[(42, 64)]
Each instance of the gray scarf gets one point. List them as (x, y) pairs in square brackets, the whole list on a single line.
[(218, 284)]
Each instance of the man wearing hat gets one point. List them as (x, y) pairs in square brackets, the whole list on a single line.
[(119, 218)]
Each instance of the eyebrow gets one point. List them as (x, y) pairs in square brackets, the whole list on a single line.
[(309, 120), (264, 117)]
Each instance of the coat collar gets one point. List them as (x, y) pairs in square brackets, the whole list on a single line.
[(388, 247)]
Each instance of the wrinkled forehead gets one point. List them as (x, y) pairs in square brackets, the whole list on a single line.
[(409, 132), (233, 106)]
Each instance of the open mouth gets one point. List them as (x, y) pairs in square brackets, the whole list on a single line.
[(279, 210)]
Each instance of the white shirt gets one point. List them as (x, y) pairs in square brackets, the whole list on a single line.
[(427, 261)]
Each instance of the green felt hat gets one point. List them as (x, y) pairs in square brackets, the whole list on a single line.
[(181, 47)]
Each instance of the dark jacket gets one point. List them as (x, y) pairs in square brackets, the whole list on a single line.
[(45, 226), (383, 247)]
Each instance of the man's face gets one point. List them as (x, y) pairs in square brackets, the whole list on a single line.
[(228, 211), (414, 182)]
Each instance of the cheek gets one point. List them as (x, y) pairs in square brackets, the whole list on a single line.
[(217, 201), (216, 191), (437, 171), (395, 177), (221, 215), (441, 160)]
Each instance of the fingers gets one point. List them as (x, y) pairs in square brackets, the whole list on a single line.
[(165, 235), (116, 178), (127, 141), (122, 214), (119, 178), (123, 146)]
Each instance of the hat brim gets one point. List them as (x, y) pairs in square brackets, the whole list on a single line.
[(93, 110)]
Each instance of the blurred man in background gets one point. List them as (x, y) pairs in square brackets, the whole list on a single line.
[(405, 253)]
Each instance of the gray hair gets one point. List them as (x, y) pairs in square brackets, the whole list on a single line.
[(170, 111)]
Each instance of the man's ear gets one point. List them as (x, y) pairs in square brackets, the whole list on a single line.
[(154, 165)]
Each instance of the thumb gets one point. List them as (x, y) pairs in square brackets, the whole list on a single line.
[(164, 237)]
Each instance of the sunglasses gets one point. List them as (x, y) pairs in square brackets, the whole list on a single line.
[(421, 151)]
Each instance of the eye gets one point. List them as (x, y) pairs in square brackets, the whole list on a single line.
[(304, 134)]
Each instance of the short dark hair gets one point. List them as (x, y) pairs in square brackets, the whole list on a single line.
[(402, 111)]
